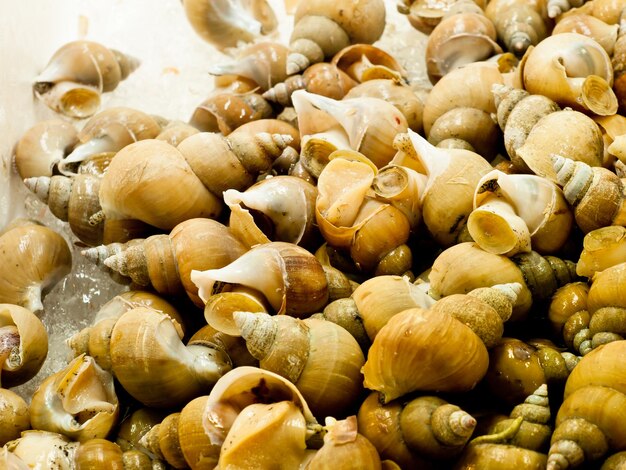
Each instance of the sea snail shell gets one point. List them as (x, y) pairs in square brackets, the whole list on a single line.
[(225, 23), (324, 27), (23, 345), (79, 401), (33, 259), (293, 281), (77, 73), (43, 146)]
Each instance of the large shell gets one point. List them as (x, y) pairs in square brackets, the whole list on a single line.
[(42, 449), (322, 28), (33, 259), (79, 401), (293, 281), (226, 23), (153, 365), (520, 25), (151, 181), (412, 336), (603, 33)]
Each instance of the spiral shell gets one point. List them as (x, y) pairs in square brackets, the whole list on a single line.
[(165, 261), (573, 70), (299, 350), (596, 193), (293, 280), (77, 73), (13, 415), (73, 200), (109, 131), (322, 28)]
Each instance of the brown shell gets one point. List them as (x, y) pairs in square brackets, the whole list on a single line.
[(409, 337)]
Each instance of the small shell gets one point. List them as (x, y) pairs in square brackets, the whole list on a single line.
[(226, 23), (520, 25), (79, 401), (262, 63), (409, 102), (345, 447), (77, 73), (596, 193), (226, 111), (43, 146), (74, 200), (547, 223), (23, 345), (364, 62), (322, 79)]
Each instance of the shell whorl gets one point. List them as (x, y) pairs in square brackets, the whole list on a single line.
[(574, 177), (545, 274), (53, 191), (131, 263), (281, 92), (453, 428), (98, 254), (536, 407)]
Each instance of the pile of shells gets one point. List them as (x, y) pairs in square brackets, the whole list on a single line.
[(329, 266)]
